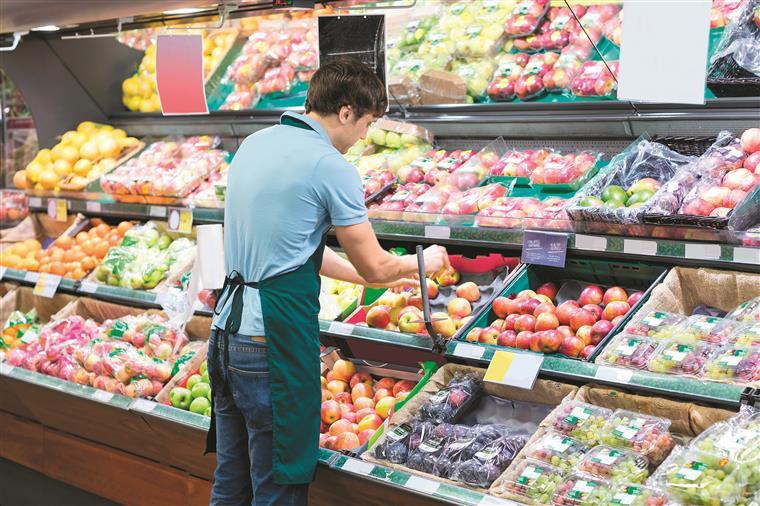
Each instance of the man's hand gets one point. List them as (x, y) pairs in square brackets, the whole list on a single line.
[(436, 260)]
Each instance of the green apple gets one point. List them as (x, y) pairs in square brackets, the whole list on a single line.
[(614, 204), (377, 136), (193, 380), (200, 390), (208, 395), (200, 405), (180, 398), (639, 197), (592, 202), (207, 412), (614, 192), (205, 378), (164, 241), (392, 140), (204, 366), (113, 280), (150, 237)]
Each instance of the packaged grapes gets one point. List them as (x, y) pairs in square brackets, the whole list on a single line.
[(677, 357), (451, 402), (533, 480), (462, 443), (615, 464), (645, 434), (746, 335), (580, 420), (578, 490), (628, 350), (557, 449), (489, 462), (397, 443), (735, 363), (656, 324), (748, 311), (629, 494), (700, 328)]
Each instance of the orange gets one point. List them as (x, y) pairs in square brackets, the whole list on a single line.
[(57, 268), (48, 179), (114, 239), (56, 254), (30, 264), (102, 230), (19, 180), (64, 242), (33, 244), (40, 255), (68, 256), (89, 263), (82, 237), (102, 249), (123, 227), (89, 247), (77, 273), (45, 267), (96, 221)]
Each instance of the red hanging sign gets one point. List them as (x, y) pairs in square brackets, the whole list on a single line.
[(179, 74)]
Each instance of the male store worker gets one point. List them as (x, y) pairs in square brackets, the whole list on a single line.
[(287, 186)]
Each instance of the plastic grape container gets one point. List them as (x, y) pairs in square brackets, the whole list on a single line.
[(690, 480), (656, 324), (748, 311), (578, 490), (615, 464), (645, 434), (728, 445), (629, 350), (534, 480), (581, 420), (735, 363), (699, 328), (676, 357), (746, 335), (559, 450), (629, 494)]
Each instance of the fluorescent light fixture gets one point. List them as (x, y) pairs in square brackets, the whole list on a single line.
[(186, 10), (46, 28)]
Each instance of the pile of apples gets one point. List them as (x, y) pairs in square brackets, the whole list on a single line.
[(531, 321), (434, 166), (595, 79), (14, 207), (335, 296), (374, 180), (194, 392), (739, 179), (446, 199), (403, 311), (616, 196), (544, 166), (82, 155), (521, 212), (354, 405)]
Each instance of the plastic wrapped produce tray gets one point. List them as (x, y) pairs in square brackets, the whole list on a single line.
[(727, 79)]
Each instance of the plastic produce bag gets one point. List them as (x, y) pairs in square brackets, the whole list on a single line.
[(678, 357), (533, 481), (451, 402), (595, 79), (741, 41), (509, 67), (616, 464), (526, 17), (659, 176), (747, 334), (580, 420), (530, 84), (488, 463), (628, 350), (645, 434)]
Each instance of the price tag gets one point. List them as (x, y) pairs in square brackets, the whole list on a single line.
[(102, 396), (590, 242), (144, 405), (544, 248), (514, 369), (92, 206), (5, 369), (180, 220), (437, 232), (422, 485), (639, 247), (469, 351), (88, 287), (702, 251), (157, 211), (747, 255), (489, 500), (2, 271), (35, 202), (358, 466), (57, 209), (340, 328), (46, 285), (31, 276), (613, 374)]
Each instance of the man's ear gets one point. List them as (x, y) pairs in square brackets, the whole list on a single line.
[(345, 114)]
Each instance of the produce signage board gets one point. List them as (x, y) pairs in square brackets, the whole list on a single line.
[(179, 74), (544, 248)]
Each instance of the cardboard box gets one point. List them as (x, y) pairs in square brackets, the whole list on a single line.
[(439, 87), (22, 298), (35, 226), (403, 91)]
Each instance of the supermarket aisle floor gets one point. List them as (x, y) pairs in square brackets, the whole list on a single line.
[(20, 486)]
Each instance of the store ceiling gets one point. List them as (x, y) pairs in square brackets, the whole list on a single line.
[(22, 15)]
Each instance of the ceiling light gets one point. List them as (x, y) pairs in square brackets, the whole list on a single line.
[(186, 10), (46, 28)]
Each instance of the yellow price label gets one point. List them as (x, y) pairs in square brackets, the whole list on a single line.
[(180, 220), (58, 209), (514, 369), (46, 285)]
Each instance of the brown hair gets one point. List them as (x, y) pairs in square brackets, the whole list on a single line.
[(346, 81)]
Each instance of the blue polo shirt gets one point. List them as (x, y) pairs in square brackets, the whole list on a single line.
[(287, 184)]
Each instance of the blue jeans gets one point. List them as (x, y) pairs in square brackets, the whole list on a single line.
[(243, 472)]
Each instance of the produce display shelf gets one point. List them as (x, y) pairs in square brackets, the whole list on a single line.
[(347, 330), (445, 492), (576, 370), (164, 412)]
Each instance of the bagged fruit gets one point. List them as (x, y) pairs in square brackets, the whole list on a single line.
[(479, 41), (736, 364), (678, 357), (530, 83), (656, 324), (533, 481), (20, 329), (595, 79), (632, 494), (645, 434), (562, 23), (476, 75), (525, 17), (462, 443), (747, 334), (509, 212), (402, 440), (578, 490), (277, 80), (452, 401), (562, 73), (488, 463)]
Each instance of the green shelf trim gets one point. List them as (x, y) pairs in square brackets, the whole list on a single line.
[(377, 335)]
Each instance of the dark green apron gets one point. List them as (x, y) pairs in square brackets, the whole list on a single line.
[(289, 306)]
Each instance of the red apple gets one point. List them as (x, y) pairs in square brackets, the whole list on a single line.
[(544, 308), (473, 335), (364, 435), (509, 322), (550, 341), (535, 342), (403, 386), (360, 377), (469, 291), (571, 346), (415, 301), (525, 322), (501, 306), (584, 333), (580, 318), (599, 331), (634, 298), (522, 340), (432, 289), (587, 351), (323, 439), (615, 308), (343, 370), (617, 320), (380, 393), (565, 330), (751, 140), (360, 414), (462, 322), (566, 310), (529, 306), (344, 398), (411, 322), (488, 335), (349, 415), (379, 316), (594, 308), (592, 294), (370, 422), (546, 321), (613, 294), (327, 395), (331, 443), (337, 386), (548, 289), (347, 441), (526, 294), (386, 383), (330, 412), (363, 403), (507, 338), (497, 324), (513, 305), (752, 162), (361, 390), (459, 307)]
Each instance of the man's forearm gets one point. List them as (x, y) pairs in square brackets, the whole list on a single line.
[(337, 267)]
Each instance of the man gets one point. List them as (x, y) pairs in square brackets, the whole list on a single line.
[(288, 185)]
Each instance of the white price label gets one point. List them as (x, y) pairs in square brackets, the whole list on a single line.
[(88, 287), (613, 374), (358, 466), (437, 232), (157, 211), (31, 276), (469, 351), (5, 369), (422, 485), (35, 202), (340, 328), (92, 206), (514, 369), (747, 255), (144, 405), (489, 500), (46, 285), (639, 247), (702, 251), (590, 242), (102, 396)]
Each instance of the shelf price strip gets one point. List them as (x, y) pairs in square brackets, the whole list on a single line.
[(180, 220)]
